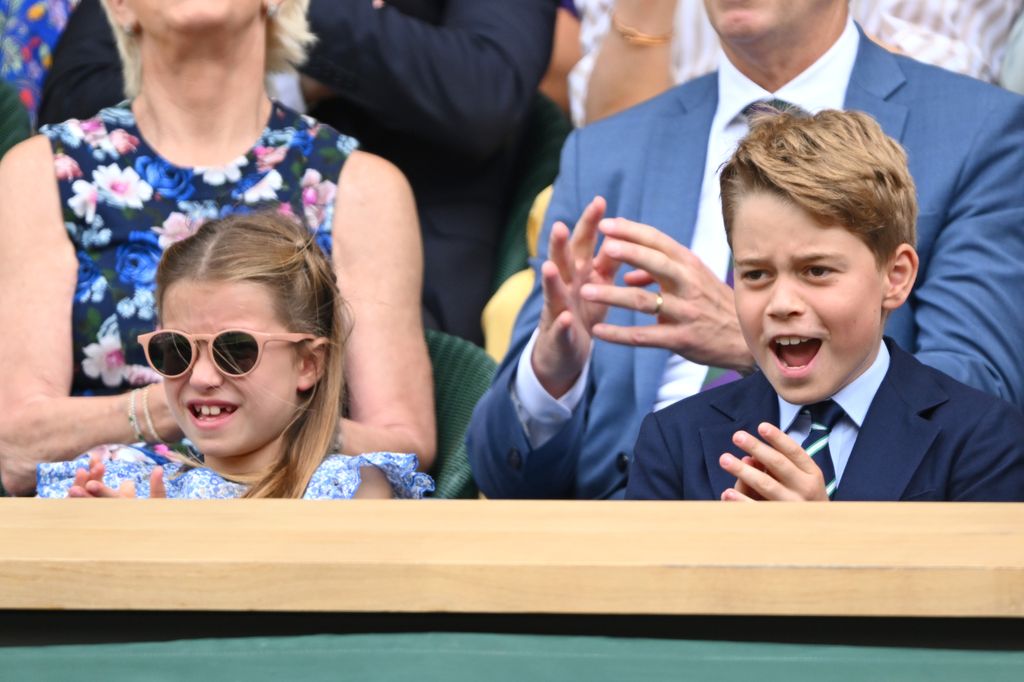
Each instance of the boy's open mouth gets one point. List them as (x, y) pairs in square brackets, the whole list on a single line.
[(795, 351)]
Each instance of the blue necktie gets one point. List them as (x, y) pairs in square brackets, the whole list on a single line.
[(771, 106), (824, 417)]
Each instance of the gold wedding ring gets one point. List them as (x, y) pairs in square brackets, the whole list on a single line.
[(658, 301)]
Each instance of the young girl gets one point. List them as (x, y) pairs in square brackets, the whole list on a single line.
[(250, 351)]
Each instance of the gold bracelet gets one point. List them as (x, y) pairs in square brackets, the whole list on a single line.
[(148, 416), (635, 37), (133, 420)]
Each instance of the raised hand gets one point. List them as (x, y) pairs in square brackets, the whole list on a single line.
[(696, 316), (564, 332)]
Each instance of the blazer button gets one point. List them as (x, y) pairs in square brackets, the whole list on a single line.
[(622, 462), (515, 460)]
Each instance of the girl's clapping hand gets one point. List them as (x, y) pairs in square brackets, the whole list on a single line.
[(89, 482)]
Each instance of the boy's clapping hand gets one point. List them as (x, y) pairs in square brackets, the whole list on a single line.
[(775, 469)]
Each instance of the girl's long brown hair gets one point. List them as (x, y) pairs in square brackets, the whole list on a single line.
[(276, 252)]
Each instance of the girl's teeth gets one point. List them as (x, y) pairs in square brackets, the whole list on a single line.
[(209, 411)]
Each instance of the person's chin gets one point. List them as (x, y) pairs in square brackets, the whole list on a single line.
[(211, 445), (741, 24)]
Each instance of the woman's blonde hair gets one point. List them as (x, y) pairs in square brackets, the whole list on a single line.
[(288, 38), (276, 252), (838, 166)]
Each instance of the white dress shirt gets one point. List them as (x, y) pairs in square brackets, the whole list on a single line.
[(821, 86), (855, 399)]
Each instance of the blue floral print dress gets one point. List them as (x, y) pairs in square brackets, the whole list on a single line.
[(337, 478), (123, 204)]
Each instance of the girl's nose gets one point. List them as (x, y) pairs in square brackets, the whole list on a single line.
[(204, 372)]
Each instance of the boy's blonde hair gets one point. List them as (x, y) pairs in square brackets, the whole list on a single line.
[(276, 252), (288, 38), (838, 166)]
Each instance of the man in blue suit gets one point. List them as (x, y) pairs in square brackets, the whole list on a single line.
[(595, 348), (839, 415)]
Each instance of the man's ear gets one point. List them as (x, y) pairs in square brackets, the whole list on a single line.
[(312, 360), (900, 274)]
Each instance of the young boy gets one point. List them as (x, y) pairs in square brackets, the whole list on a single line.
[(820, 214)]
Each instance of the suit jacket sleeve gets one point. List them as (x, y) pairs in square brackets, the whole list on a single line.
[(464, 84), (503, 462), (989, 465), (86, 74), (967, 310)]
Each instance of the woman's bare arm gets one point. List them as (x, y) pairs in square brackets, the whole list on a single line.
[(379, 259), (626, 74), (38, 271)]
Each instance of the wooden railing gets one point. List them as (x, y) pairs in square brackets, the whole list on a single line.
[(852, 559)]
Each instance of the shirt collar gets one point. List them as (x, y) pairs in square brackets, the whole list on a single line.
[(855, 398), (822, 85)]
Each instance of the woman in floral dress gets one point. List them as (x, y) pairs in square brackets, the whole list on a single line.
[(87, 208)]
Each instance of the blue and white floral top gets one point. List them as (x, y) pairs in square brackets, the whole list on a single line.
[(123, 205), (337, 478)]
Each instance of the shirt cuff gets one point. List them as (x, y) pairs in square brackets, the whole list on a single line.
[(540, 414)]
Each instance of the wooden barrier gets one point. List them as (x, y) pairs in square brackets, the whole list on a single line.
[(850, 559)]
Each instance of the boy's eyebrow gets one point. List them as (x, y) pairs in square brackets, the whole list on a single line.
[(798, 257), (749, 261), (818, 255)]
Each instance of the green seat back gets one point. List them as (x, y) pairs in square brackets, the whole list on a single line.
[(462, 372), (14, 123)]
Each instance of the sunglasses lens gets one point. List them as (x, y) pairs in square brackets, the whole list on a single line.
[(235, 352), (170, 353)]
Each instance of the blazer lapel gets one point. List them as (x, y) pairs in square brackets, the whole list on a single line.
[(876, 76), (673, 174), (753, 403), (894, 438)]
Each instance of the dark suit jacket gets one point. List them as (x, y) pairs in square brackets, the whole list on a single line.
[(926, 436), (441, 88), (965, 143)]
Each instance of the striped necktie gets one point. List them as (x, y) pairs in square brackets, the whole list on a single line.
[(771, 106), (824, 417)]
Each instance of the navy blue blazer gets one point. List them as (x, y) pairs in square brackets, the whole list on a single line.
[(965, 142), (926, 437), (442, 89)]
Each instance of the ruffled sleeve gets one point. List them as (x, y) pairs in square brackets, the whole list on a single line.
[(338, 476)]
